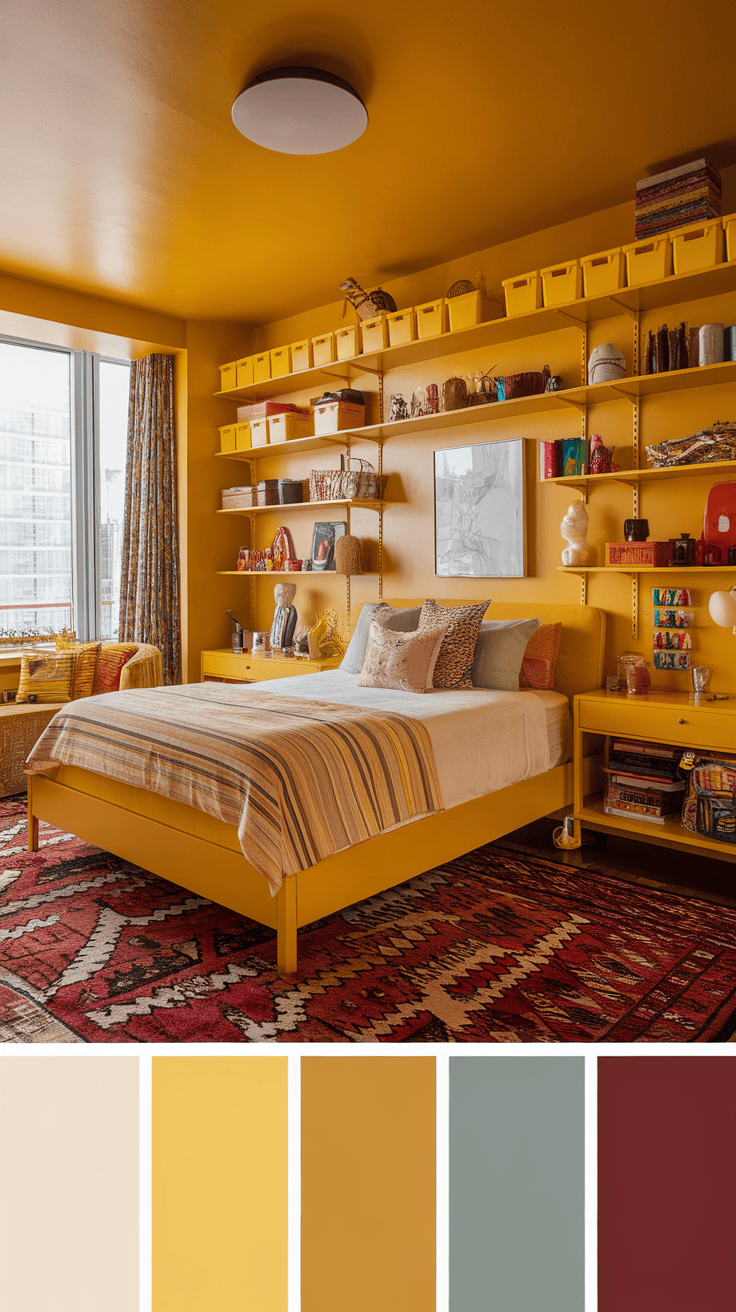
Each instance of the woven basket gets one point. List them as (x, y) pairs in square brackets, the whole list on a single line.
[(361, 484), (348, 555)]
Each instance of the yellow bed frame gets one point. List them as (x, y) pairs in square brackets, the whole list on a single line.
[(203, 854)]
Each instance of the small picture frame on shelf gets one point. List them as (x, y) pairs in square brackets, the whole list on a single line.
[(324, 535)]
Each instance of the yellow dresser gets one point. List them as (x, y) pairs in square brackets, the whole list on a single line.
[(244, 667)]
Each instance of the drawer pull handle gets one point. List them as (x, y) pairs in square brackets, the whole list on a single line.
[(681, 721)]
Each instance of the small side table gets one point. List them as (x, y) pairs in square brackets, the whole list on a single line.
[(20, 728), (246, 668)]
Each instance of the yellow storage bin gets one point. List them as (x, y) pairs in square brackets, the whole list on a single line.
[(228, 376), (323, 349), (471, 308), (262, 367), (245, 372), (523, 293), (301, 356), (281, 361), (648, 261), (698, 246), (347, 342), (603, 273), (562, 283), (242, 437), (289, 426), (375, 333), (729, 225), (402, 327), (259, 432), (227, 437), (432, 318)]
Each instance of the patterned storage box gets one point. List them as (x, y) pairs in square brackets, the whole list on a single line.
[(238, 498), (657, 554)]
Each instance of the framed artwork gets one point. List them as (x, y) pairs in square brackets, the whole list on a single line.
[(479, 510), (323, 543)]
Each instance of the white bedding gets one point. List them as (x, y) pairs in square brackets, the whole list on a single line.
[(483, 740)]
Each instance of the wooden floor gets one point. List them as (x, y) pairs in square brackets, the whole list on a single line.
[(639, 863)]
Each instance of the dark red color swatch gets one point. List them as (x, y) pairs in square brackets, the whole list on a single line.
[(667, 1184)]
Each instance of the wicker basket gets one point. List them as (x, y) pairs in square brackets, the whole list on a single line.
[(362, 484), (523, 385), (657, 554), (238, 498)]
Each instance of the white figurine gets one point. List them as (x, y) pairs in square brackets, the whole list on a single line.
[(574, 529), (606, 364), (284, 616)]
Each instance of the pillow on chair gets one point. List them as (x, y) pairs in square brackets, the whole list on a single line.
[(48, 677), (86, 667), (113, 656)]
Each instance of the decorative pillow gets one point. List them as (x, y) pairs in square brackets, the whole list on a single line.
[(499, 652), (48, 677), (110, 662), (84, 673), (454, 666), (403, 661), (403, 621), (540, 657)]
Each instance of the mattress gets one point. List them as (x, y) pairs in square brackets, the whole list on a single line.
[(482, 739)]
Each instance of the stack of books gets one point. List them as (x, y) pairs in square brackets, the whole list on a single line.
[(642, 781), (566, 456)]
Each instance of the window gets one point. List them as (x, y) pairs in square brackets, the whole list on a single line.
[(63, 423)]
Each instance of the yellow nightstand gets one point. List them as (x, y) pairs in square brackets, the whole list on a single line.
[(246, 668), (661, 717)]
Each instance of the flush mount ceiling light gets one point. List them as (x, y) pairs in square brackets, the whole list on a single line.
[(299, 111)]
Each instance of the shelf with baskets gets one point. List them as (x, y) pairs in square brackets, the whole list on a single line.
[(354, 504)]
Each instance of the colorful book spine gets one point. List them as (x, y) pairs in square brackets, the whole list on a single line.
[(551, 459)]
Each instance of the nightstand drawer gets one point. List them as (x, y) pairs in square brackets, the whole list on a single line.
[(686, 726), (226, 665)]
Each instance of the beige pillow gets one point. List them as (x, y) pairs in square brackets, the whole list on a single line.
[(454, 668), (403, 661)]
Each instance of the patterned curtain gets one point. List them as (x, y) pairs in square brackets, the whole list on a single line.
[(149, 591)]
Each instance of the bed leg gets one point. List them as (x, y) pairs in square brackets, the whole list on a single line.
[(286, 927), (32, 821)]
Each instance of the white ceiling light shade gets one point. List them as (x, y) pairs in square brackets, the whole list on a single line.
[(299, 111), (722, 607)]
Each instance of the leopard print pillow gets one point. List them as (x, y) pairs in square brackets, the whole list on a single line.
[(454, 665)]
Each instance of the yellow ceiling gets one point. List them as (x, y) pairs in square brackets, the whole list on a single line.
[(123, 175)]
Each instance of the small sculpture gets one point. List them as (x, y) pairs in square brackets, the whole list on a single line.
[(237, 634), (554, 383), (600, 455), (367, 305), (574, 529), (606, 364), (398, 408), (284, 616)]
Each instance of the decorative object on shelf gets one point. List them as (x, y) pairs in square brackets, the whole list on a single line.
[(700, 678), (732, 555), (282, 548), (575, 453), (454, 393), (348, 555), (346, 484), (690, 193), (323, 543), (398, 408), (638, 680), (237, 639), (636, 530), (384, 301), (291, 491), (600, 456), (284, 616), (664, 640), (683, 550), (267, 492), (715, 443), (670, 596), (719, 520), (711, 344), (722, 609), (479, 510), (462, 287), (671, 348), (238, 498), (613, 683), (670, 660), (574, 529), (528, 384), (712, 555), (433, 399), (554, 383), (710, 804), (657, 554), (419, 402), (673, 619), (261, 643), (324, 639), (366, 305), (606, 364), (729, 342), (622, 661)]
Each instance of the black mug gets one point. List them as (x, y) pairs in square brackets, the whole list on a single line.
[(636, 530)]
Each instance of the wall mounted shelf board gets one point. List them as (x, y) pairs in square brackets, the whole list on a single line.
[(304, 505), (646, 569), (285, 448), (294, 573), (714, 469), (594, 817)]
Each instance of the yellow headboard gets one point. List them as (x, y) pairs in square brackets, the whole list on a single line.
[(580, 665)]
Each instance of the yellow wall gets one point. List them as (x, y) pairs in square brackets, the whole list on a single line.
[(671, 507)]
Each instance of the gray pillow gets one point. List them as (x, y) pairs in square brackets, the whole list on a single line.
[(404, 621), (499, 653)]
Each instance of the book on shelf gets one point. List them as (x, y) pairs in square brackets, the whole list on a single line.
[(647, 800), (661, 785), (653, 761), (632, 814), (568, 456)]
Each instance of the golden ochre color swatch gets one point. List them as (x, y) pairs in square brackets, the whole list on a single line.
[(368, 1184), (69, 1184), (220, 1184)]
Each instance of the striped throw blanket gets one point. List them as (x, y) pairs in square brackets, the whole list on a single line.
[(301, 780)]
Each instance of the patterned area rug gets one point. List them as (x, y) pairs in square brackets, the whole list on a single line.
[(493, 947)]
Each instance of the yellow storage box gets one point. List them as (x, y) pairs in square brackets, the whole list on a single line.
[(432, 318), (603, 273), (301, 356), (289, 426), (227, 437), (562, 283), (281, 361), (523, 293), (242, 437), (698, 246), (262, 367), (228, 376), (729, 224), (471, 308), (323, 349), (245, 372), (375, 333), (402, 327), (347, 342), (648, 261), (259, 432)]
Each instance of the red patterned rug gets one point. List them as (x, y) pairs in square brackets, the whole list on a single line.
[(494, 947)]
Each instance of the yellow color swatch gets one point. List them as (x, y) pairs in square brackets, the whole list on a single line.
[(368, 1184), (68, 1184), (220, 1184)]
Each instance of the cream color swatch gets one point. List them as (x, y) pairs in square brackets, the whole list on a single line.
[(69, 1184)]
